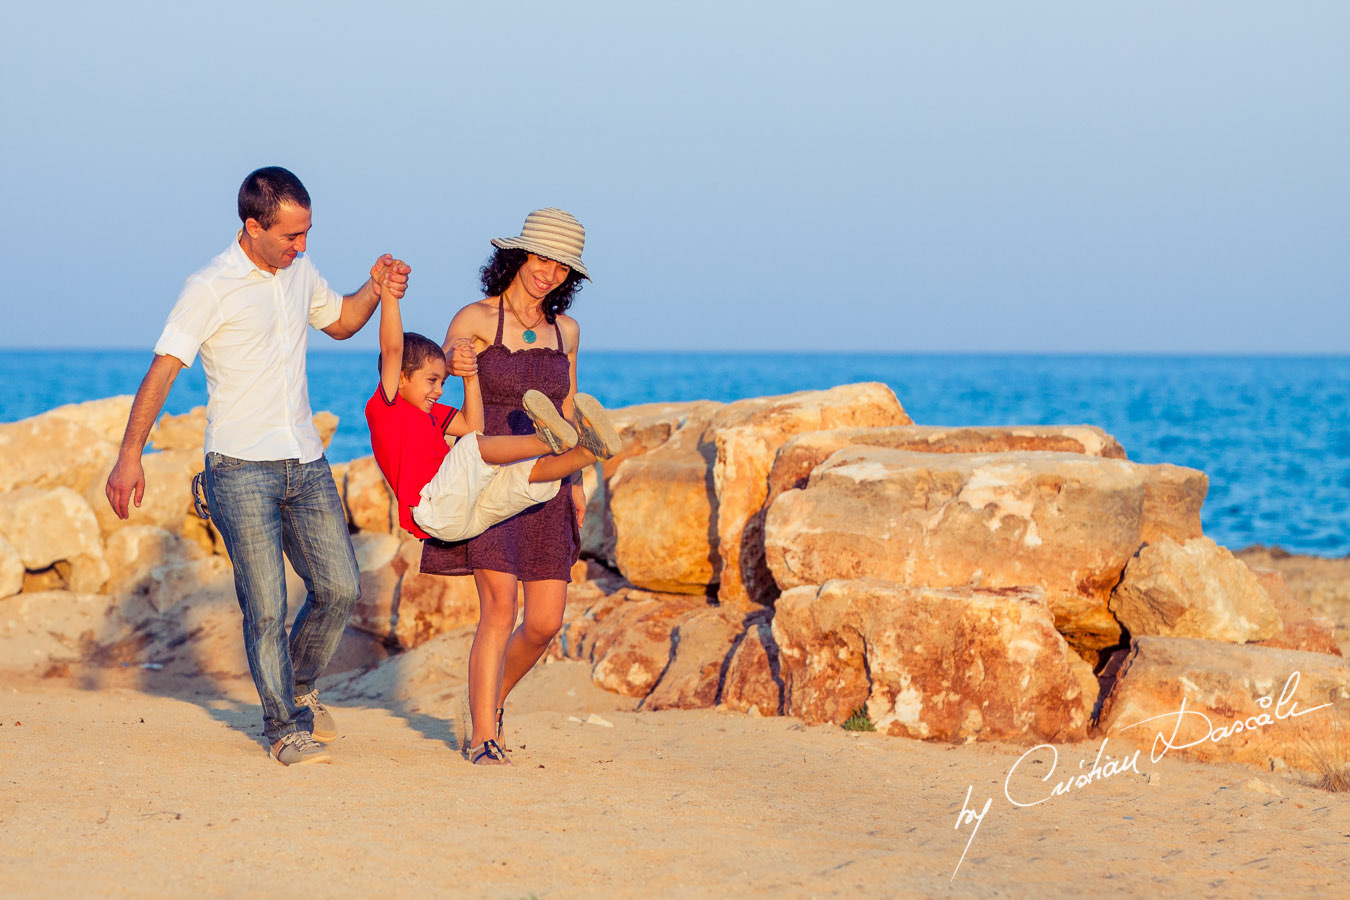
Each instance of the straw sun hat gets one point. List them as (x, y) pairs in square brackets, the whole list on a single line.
[(552, 234)]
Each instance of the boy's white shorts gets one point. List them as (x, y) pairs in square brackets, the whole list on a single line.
[(467, 496)]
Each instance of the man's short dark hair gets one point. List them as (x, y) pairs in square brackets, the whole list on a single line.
[(417, 349), (265, 191)]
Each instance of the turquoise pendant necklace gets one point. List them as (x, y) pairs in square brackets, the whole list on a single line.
[(528, 334)]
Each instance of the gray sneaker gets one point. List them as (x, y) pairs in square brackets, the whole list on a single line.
[(595, 431), (549, 425), (299, 749), (325, 729)]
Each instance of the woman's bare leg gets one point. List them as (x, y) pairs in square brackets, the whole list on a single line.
[(497, 614), (544, 603)]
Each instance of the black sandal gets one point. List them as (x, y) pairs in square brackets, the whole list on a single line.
[(490, 751), (499, 724)]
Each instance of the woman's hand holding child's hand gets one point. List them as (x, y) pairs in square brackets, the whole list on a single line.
[(463, 361)]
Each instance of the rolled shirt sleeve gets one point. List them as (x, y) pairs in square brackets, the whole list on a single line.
[(325, 304), (193, 319)]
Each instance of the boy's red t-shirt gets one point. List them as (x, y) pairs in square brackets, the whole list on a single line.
[(409, 446)]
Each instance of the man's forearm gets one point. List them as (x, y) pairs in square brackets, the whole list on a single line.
[(357, 309), (150, 397)]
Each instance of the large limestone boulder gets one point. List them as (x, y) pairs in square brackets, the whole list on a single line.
[(49, 525), (642, 428), (1065, 523), (700, 646), (11, 569), (187, 431), (184, 431), (1195, 589), (428, 605), (748, 435), (1323, 584), (369, 501), (631, 648), (106, 416), (182, 582), (168, 493), (133, 551), (753, 683), (661, 511), (687, 516), (50, 451), (1265, 707), (382, 560), (953, 665), (794, 463), (1301, 626)]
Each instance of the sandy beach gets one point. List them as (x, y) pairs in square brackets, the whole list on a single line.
[(127, 782)]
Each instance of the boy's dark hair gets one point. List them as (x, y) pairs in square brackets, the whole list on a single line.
[(502, 267), (266, 190), (417, 349)]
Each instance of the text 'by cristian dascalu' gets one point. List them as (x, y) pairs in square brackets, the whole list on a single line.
[(1105, 766)]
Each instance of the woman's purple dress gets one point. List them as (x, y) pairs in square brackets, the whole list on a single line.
[(541, 543)]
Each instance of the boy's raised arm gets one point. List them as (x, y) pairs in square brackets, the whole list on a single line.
[(391, 338)]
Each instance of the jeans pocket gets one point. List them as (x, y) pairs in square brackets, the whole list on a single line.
[(219, 462)]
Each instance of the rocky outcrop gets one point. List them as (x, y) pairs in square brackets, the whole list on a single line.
[(1217, 702), (52, 451), (1197, 590), (168, 493), (1323, 584), (369, 501), (428, 605), (687, 515), (187, 431), (700, 645), (1064, 523), (642, 428), (630, 643), (799, 456), (382, 567), (1301, 626), (106, 416), (133, 552), (45, 526), (950, 665), (747, 435), (11, 569), (753, 683), (661, 507)]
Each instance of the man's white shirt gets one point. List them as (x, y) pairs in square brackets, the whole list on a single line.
[(252, 330)]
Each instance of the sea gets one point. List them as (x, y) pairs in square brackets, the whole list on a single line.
[(1271, 432)]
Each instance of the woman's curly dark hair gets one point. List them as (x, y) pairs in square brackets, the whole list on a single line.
[(502, 267)]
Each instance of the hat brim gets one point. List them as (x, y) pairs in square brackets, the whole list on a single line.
[(572, 262)]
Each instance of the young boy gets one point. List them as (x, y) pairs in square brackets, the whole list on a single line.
[(455, 494)]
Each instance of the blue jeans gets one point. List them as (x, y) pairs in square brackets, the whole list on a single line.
[(262, 509)]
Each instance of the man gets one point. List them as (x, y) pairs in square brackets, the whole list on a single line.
[(268, 485)]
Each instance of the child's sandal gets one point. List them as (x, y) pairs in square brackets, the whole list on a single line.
[(595, 432), (549, 425)]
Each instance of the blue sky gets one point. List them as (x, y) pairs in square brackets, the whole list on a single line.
[(1029, 177)]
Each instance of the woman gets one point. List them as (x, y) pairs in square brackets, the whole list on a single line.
[(523, 341)]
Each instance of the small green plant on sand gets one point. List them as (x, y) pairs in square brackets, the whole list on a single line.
[(860, 720)]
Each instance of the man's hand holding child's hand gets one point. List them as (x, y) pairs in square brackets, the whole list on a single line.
[(390, 276)]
